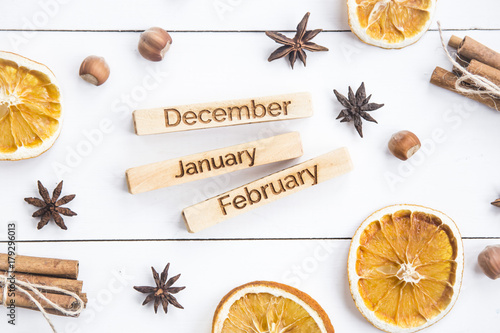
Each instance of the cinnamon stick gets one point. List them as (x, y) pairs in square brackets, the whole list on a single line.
[(462, 61), (64, 301), (491, 73), (472, 49), (66, 284), (454, 42), (444, 79), (42, 266)]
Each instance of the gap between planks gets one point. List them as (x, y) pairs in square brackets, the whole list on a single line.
[(218, 31), (208, 240)]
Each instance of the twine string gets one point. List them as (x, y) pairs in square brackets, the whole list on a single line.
[(35, 288), (486, 88)]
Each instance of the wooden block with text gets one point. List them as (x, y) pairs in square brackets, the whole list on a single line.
[(267, 190), (213, 163), (218, 114)]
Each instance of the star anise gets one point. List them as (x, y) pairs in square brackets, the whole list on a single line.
[(496, 203), (356, 107), (296, 46), (51, 208), (163, 291)]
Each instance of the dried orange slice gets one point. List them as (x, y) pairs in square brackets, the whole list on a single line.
[(405, 267), (30, 108), (269, 307), (390, 23)]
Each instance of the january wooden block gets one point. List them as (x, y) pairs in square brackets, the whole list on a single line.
[(267, 190), (213, 163), (218, 114)]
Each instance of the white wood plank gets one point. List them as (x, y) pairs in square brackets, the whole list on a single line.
[(210, 269), (455, 172), (215, 14)]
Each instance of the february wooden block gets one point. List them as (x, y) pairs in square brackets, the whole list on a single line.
[(218, 114), (213, 163), (267, 189)]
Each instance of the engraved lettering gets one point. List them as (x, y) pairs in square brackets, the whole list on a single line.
[(221, 163), (240, 109), (201, 117), (214, 163), (252, 110), (191, 168), (219, 112), (239, 202), (249, 196), (223, 205), (253, 192), (251, 156), (274, 107), (181, 169), (190, 115), (200, 165), (274, 190), (285, 107), (231, 159), (291, 182), (174, 114), (256, 107)]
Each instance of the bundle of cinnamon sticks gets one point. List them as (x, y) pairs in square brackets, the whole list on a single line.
[(57, 273), (477, 59)]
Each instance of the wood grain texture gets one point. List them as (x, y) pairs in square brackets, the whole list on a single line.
[(213, 163), (221, 114), (267, 190)]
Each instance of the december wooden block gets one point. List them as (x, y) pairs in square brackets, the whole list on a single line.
[(267, 189), (218, 114), (213, 163)]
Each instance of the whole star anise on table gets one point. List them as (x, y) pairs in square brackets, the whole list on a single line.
[(51, 208), (296, 46), (356, 107), (163, 291)]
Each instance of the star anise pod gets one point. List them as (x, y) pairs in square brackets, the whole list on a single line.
[(296, 46), (163, 291), (356, 107), (496, 203), (51, 208)]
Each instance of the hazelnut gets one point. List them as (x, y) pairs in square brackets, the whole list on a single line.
[(94, 70), (404, 144), (489, 261), (154, 43)]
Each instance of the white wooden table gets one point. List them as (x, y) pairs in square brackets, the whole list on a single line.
[(219, 52)]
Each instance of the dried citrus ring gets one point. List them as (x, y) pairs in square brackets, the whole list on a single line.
[(390, 23), (269, 307), (30, 108), (405, 267)]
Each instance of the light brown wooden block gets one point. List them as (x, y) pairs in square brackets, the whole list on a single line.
[(226, 113), (267, 189), (213, 163)]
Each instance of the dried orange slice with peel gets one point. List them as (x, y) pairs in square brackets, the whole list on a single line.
[(269, 307), (30, 107), (405, 267), (390, 23)]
